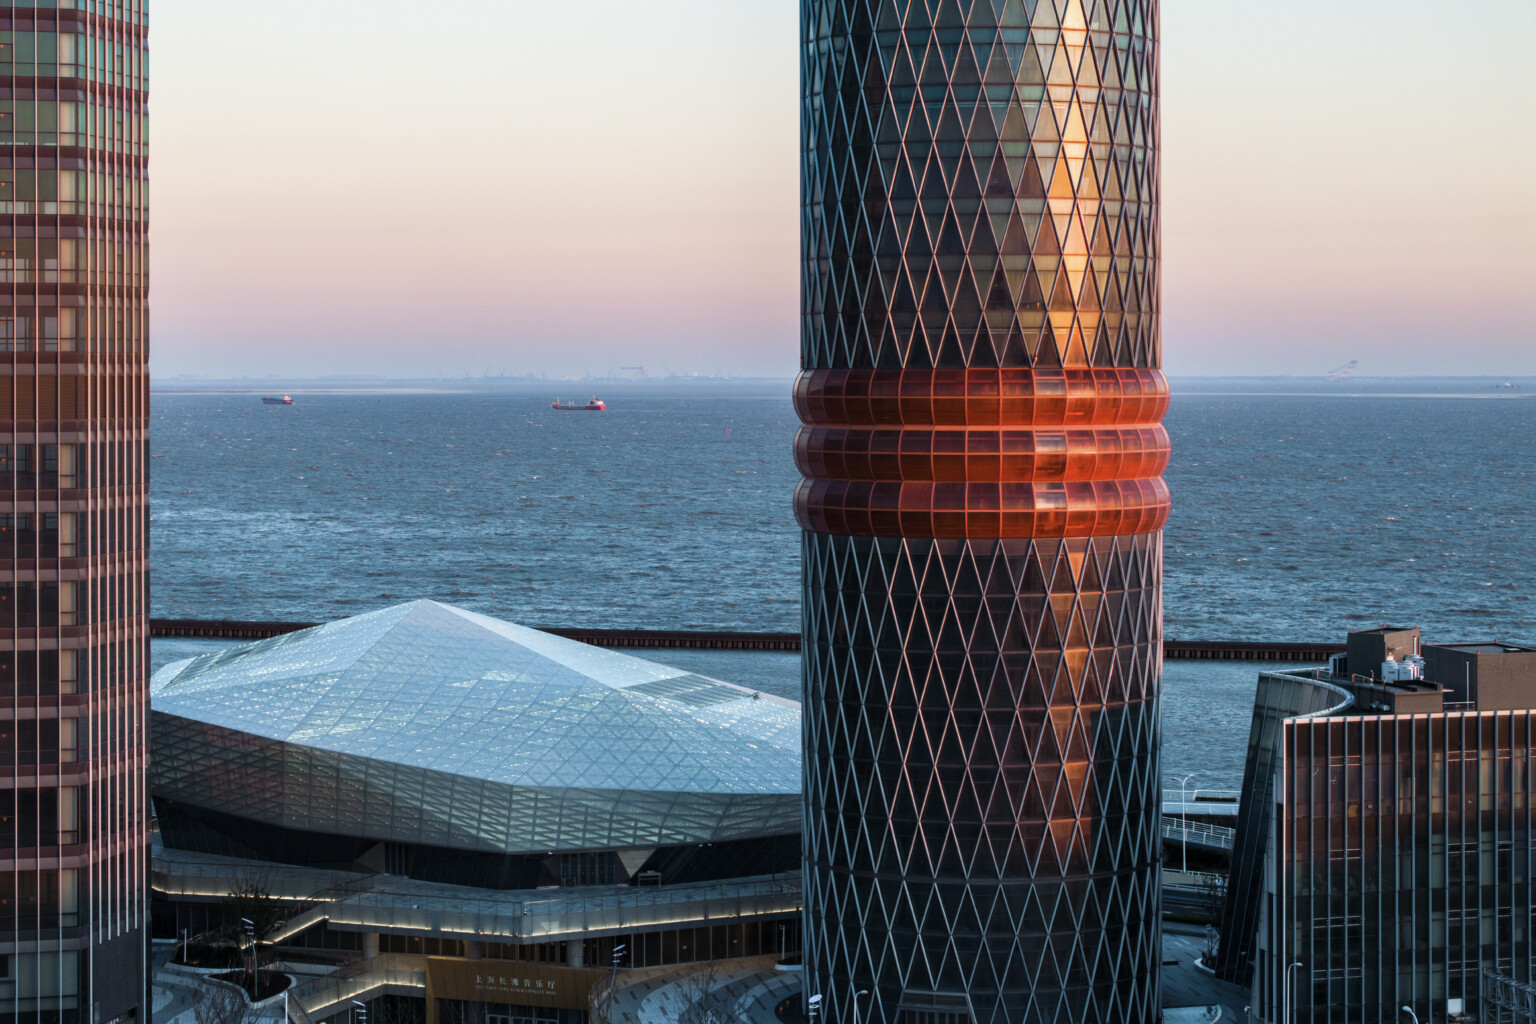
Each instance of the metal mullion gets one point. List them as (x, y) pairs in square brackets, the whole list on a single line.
[(1445, 870), (1379, 728), (1523, 788), (1279, 923), (1395, 910), (1335, 838), (1413, 855), (1462, 721)]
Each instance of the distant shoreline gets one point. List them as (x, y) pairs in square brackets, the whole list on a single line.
[(1183, 387)]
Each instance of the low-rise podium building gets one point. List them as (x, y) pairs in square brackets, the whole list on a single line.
[(426, 786), (1384, 854)]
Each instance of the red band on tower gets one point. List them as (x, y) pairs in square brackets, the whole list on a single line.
[(982, 453)]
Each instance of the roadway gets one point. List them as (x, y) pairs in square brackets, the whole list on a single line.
[(1184, 984)]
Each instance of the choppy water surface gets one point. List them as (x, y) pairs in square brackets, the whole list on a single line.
[(1296, 517)]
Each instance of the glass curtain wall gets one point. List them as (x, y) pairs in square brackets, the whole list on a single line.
[(982, 503), (1405, 862), (74, 838), (1280, 696)]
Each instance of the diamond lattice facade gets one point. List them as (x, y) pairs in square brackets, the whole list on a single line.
[(982, 498), (480, 749), (74, 834)]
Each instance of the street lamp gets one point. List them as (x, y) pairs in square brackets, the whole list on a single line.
[(860, 992), (1288, 996), (814, 1004), (360, 1014), (250, 934), (613, 978), (1184, 817), (1409, 1011)]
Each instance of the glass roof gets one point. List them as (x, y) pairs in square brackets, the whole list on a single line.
[(435, 687)]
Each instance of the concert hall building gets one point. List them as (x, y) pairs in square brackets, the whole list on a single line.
[(481, 812)]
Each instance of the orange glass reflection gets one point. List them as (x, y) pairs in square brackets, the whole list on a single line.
[(958, 455), (982, 398), (982, 453)]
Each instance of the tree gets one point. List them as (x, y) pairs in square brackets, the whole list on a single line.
[(250, 900), (223, 1004), (1213, 901), (459, 1011), (1213, 895), (701, 997)]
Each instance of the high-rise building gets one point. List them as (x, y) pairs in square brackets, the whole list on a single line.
[(982, 504), (1384, 855), (74, 838)]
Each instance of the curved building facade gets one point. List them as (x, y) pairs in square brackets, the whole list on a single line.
[(445, 745), (1281, 697), (74, 836), (982, 503)]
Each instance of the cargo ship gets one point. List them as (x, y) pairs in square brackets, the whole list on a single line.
[(595, 405), (276, 400)]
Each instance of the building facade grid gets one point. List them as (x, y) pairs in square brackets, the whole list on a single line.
[(982, 498), (1405, 864), (73, 510)]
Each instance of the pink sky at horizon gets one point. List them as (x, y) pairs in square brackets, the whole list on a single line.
[(353, 189)]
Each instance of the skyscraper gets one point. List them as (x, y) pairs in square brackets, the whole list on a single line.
[(982, 504), (74, 840)]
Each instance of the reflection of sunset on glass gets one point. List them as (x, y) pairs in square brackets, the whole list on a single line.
[(512, 187)]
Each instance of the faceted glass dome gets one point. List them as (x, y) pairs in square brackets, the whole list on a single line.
[(426, 723)]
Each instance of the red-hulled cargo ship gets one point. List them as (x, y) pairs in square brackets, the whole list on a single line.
[(595, 405)]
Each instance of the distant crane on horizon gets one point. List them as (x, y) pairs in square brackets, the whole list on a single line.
[(1344, 372), (639, 371)]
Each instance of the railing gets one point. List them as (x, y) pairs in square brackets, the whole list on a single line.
[(177, 876), (579, 913), (1507, 1001), (320, 904), (389, 902), (1202, 795), (1258, 650), (1213, 837), (362, 980)]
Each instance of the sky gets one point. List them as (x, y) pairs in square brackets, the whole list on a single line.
[(360, 188)]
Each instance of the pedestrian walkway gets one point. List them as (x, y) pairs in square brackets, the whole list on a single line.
[(1192, 1015), (744, 990), (174, 998), (758, 1004)]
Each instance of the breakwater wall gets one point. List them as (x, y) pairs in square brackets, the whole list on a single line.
[(715, 640)]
